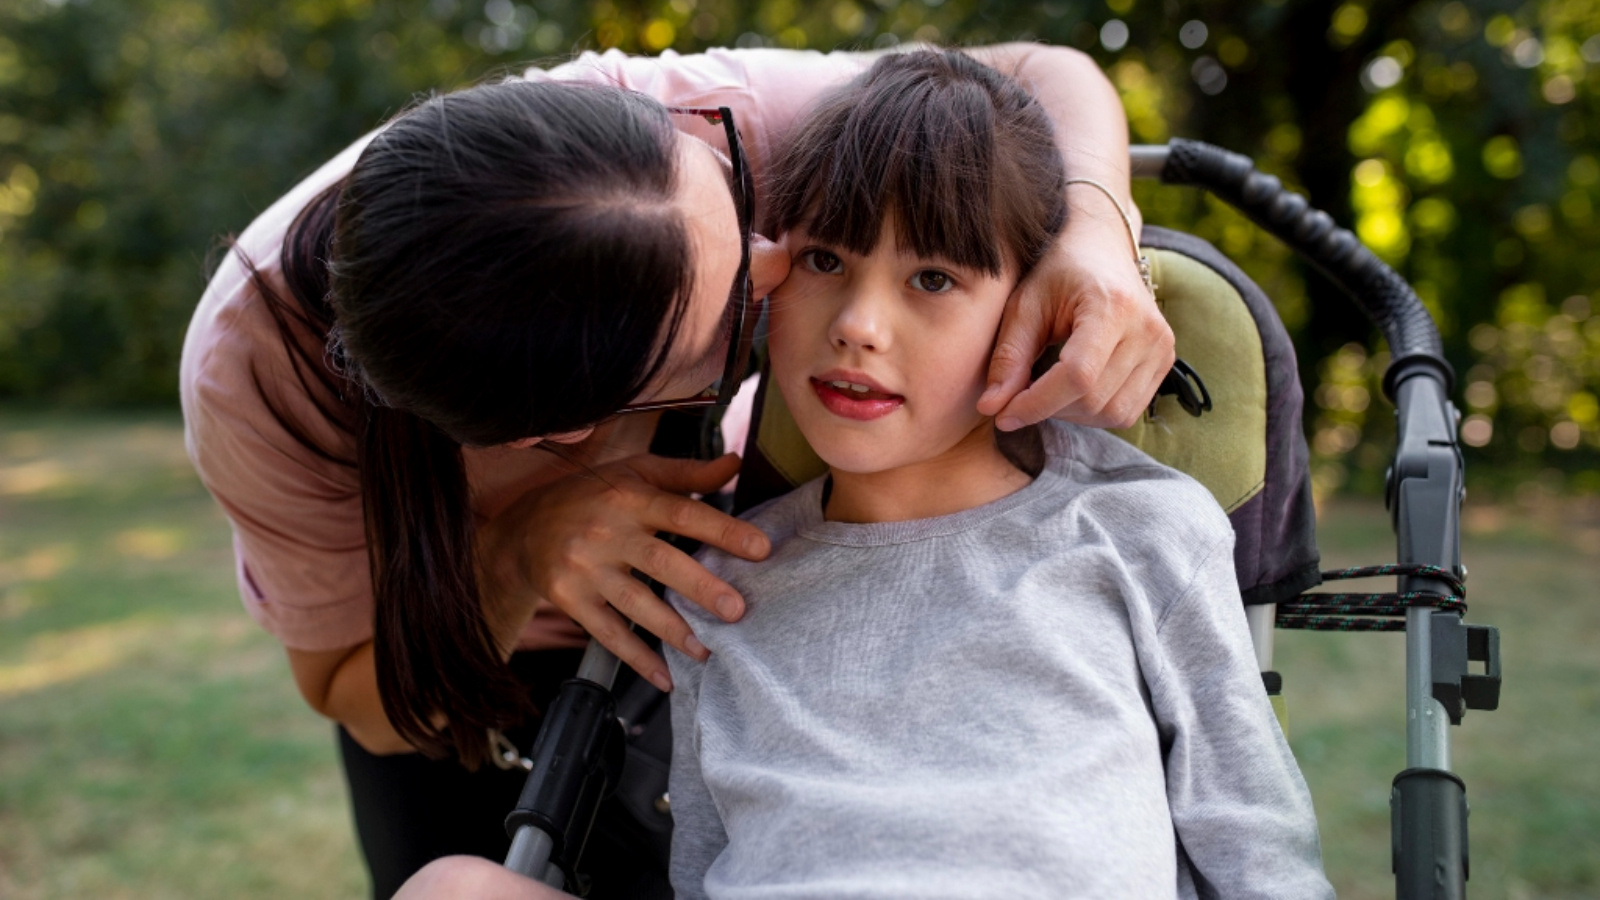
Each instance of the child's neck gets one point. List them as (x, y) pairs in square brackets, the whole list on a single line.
[(970, 474)]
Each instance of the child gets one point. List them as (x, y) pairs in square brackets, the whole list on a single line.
[(966, 670)]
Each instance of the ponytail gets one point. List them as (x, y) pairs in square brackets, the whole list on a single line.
[(503, 262), (431, 639)]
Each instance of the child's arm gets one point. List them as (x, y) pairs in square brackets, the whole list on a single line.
[(1240, 807), (697, 833)]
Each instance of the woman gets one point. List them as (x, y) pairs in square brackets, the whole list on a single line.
[(511, 267)]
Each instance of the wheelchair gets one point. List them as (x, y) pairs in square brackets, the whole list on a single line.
[(1229, 416)]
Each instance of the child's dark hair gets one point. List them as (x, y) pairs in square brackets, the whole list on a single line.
[(960, 155)]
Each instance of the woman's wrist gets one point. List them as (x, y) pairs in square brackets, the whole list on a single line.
[(1095, 200), (500, 586), (1128, 233)]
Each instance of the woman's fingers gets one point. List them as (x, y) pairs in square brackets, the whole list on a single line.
[(673, 513), (686, 476), (629, 596), (1069, 386), (613, 632), (574, 541), (706, 524), (1086, 291), (1022, 337), (680, 572)]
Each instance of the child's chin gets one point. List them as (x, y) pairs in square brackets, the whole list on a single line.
[(854, 460)]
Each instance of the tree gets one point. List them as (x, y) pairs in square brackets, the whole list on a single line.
[(1456, 138)]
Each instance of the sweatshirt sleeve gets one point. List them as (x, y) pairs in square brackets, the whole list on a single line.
[(1240, 807), (697, 833)]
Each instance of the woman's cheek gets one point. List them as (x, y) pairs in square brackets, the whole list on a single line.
[(790, 309)]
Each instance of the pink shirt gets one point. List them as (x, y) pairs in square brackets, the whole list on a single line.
[(297, 522)]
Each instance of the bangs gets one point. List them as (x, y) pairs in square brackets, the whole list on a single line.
[(936, 143)]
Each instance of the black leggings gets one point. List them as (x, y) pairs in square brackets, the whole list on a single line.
[(411, 810)]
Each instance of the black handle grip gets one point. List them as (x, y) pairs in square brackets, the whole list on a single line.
[(1386, 298), (577, 759)]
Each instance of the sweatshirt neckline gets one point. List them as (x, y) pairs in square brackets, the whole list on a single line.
[(877, 534)]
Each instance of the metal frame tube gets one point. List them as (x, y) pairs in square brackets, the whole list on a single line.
[(530, 854), (1261, 619), (1147, 160), (1427, 724)]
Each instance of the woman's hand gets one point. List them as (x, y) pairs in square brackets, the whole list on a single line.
[(1087, 291), (575, 541)]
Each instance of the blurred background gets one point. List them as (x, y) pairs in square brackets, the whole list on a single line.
[(151, 743)]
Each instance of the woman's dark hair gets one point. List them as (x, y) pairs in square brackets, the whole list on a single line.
[(502, 262), (960, 156)]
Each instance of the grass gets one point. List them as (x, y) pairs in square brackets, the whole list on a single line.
[(1532, 785), (152, 743)]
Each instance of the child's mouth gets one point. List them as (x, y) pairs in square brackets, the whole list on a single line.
[(855, 401)]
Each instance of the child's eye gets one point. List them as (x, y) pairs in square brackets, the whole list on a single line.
[(821, 261), (933, 281)]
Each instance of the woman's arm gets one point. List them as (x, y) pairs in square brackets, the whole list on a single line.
[(343, 685), (1088, 291)]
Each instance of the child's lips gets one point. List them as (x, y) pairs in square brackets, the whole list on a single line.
[(855, 404)]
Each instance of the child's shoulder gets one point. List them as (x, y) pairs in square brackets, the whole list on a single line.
[(1123, 482), (779, 518)]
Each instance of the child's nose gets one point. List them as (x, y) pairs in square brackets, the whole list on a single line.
[(858, 323), (769, 266)]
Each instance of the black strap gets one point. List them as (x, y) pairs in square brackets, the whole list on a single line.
[(1371, 612)]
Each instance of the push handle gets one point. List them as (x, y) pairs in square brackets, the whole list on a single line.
[(1424, 496), (1386, 298)]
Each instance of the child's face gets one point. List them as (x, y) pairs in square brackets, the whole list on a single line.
[(916, 332)]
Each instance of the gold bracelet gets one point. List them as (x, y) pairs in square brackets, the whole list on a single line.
[(1139, 258)]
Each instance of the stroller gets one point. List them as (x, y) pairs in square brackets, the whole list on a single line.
[(1229, 416)]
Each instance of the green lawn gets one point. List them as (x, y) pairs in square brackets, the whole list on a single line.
[(152, 744)]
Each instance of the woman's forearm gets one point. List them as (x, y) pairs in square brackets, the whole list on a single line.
[(343, 685), (1091, 125)]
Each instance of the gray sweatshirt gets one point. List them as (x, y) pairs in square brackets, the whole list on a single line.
[(1052, 695)]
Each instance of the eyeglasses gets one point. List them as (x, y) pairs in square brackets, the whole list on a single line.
[(739, 323)]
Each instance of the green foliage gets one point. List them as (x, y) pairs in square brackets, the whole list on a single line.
[(1456, 138), (133, 134)]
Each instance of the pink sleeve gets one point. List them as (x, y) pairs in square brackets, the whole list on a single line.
[(766, 89), (298, 535)]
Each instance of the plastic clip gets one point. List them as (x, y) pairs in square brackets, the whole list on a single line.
[(1184, 383)]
